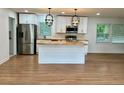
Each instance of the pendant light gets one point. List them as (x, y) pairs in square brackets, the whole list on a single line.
[(49, 19), (75, 19)]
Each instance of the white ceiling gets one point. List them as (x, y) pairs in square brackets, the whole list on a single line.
[(105, 12)]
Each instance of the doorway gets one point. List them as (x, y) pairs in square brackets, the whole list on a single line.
[(11, 36)]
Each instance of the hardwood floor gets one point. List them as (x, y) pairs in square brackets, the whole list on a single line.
[(99, 69)]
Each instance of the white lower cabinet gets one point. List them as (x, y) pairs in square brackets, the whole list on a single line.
[(86, 49), (61, 54)]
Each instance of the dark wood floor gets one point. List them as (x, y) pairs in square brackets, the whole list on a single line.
[(99, 69)]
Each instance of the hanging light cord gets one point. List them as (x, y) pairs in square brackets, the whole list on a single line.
[(75, 12), (49, 10)]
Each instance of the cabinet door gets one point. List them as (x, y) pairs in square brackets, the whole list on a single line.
[(22, 18), (82, 28), (86, 49), (30, 19), (68, 21), (61, 24), (35, 19), (27, 19), (85, 23)]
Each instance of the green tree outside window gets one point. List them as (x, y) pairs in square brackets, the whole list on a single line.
[(103, 33)]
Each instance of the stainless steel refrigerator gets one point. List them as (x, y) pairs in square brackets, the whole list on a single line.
[(26, 39)]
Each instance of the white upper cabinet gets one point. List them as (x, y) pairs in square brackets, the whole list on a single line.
[(60, 24), (68, 21), (82, 28), (27, 19)]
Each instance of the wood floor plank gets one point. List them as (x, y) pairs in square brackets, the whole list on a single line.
[(99, 69)]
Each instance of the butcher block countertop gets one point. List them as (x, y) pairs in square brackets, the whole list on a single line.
[(61, 42)]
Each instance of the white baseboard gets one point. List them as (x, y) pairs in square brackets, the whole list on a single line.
[(11, 55), (4, 60)]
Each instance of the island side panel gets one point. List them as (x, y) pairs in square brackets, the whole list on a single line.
[(61, 54)]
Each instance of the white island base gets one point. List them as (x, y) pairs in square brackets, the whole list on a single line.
[(61, 54)]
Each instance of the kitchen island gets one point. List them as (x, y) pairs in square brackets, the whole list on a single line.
[(61, 52)]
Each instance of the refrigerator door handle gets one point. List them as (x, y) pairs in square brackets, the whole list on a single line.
[(20, 34), (10, 35), (26, 35)]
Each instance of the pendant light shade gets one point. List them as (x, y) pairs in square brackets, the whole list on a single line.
[(75, 20), (49, 19)]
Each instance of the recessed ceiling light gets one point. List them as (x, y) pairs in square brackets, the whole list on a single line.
[(26, 11), (97, 13), (62, 12)]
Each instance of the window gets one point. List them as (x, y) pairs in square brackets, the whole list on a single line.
[(118, 33), (103, 33)]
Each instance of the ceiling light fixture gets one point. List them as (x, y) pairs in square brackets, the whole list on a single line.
[(75, 19), (97, 13), (49, 19), (26, 11), (63, 12)]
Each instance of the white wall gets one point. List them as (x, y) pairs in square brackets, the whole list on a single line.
[(94, 47), (4, 34)]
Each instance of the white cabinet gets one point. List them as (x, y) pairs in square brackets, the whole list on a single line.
[(82, 28), (22, 18), (27, 19), (86, 49), (61, 54), (60, 24), (85, 46), (68, 21)]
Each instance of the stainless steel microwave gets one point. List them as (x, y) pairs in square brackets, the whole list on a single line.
[(71, 29)]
